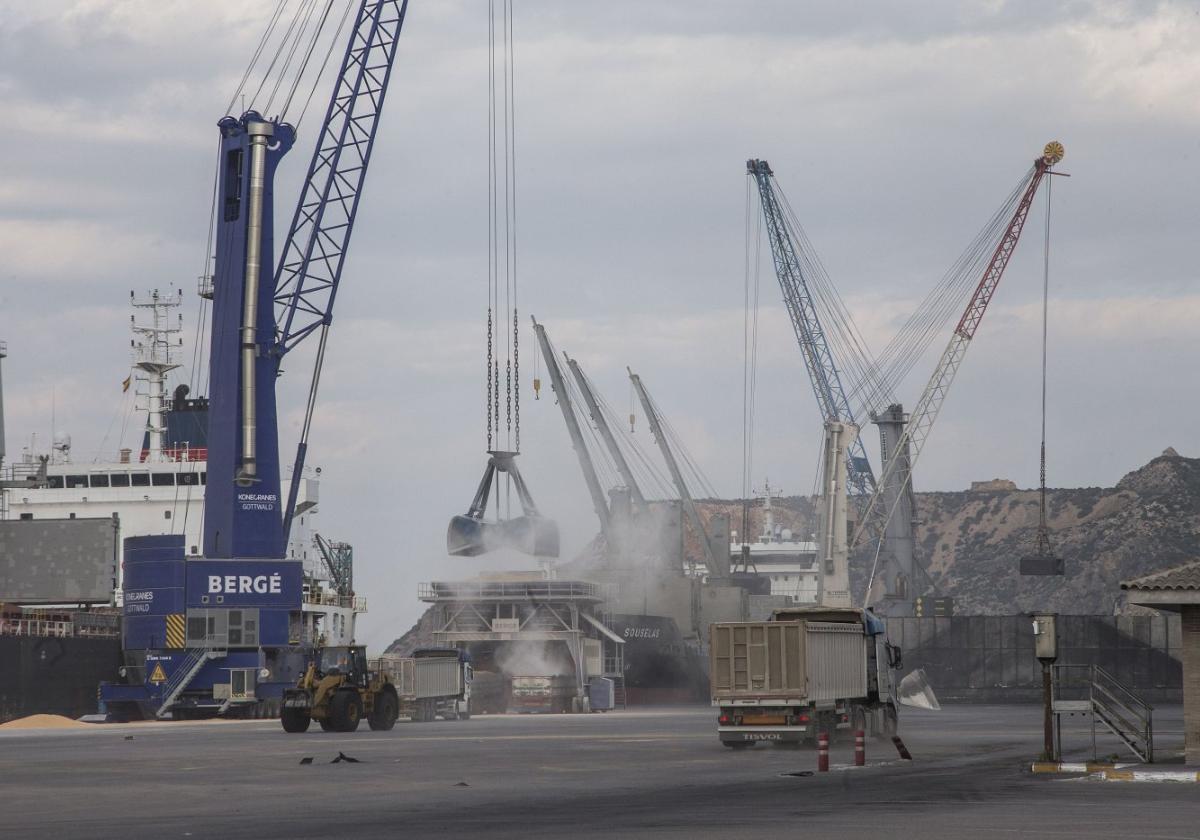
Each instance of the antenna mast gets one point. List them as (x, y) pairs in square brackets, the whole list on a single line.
[(152, 343)]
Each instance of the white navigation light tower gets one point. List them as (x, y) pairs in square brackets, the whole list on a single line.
[(152, 344)]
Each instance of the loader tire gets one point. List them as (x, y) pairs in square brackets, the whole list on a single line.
[(346, 711), (326, 725), (385, 713), (295, 720)]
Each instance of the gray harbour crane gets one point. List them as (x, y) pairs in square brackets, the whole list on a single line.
[(716, 560)]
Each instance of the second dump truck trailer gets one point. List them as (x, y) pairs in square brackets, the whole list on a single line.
[(432, 683), (806, 671)]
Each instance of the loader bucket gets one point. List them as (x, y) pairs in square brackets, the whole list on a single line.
[(914, 691)]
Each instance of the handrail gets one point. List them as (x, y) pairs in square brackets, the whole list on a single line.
[(479, 590), (1121, 687), (1117, 707), (1112, 710)]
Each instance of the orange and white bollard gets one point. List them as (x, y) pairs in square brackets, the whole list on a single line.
[(823, 752), (860, 748)]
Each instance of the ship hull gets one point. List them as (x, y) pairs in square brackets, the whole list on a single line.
[(51, 675), (661, 667)]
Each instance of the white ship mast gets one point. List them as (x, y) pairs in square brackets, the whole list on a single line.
[(768, 531), (152, 345)]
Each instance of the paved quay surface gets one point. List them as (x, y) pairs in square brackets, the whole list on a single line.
[(658, 773)]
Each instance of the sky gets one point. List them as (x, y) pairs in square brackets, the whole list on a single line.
[(895, 130)]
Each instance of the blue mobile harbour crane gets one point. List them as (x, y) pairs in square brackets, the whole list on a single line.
[(224, 632)]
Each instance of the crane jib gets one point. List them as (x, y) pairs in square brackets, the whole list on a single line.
[(999, 261), (875, 516)]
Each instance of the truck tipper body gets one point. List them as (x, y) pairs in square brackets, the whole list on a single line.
[(805, 671), (432, 683)]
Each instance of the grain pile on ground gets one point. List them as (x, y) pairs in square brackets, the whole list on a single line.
[(44, 722)]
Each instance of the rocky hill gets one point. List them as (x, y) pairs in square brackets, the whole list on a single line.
[(971, 542)]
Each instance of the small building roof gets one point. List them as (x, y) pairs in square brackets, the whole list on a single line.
[(1186, 577), (1168, 589)]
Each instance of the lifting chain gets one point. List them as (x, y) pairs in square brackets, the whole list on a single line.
[(489, 378), (517, 377)]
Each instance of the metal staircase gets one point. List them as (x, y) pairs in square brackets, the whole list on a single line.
[(619, 700), (183, 676), (1090, 690)]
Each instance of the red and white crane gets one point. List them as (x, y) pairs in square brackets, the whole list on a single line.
[(876, 514)]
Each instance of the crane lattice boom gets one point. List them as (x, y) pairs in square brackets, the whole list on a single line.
[(822, 368), (315, 249), (920, 422)]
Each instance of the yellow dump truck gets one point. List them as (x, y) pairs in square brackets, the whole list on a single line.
[(806, 671)]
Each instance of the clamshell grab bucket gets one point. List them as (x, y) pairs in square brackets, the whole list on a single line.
[(470, 535)]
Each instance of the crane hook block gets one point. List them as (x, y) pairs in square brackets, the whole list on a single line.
[(537, 388), (1053, 152)]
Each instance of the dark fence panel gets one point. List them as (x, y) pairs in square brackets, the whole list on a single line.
[(990, 658)]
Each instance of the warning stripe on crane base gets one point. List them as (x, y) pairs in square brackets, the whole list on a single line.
[(175, 630)]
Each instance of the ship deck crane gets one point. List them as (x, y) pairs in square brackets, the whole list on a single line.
[(716, 562), (338, 558), (562, 394), (877, 512), (637, 498)]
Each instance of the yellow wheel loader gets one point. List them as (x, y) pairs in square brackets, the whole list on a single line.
[(338, 690)]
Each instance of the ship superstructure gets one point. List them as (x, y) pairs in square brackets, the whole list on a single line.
[(789, 564)]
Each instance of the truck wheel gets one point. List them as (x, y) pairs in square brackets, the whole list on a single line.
[(464, 714), (295, 720), (385, 714), (346, 711), (326, 725)]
